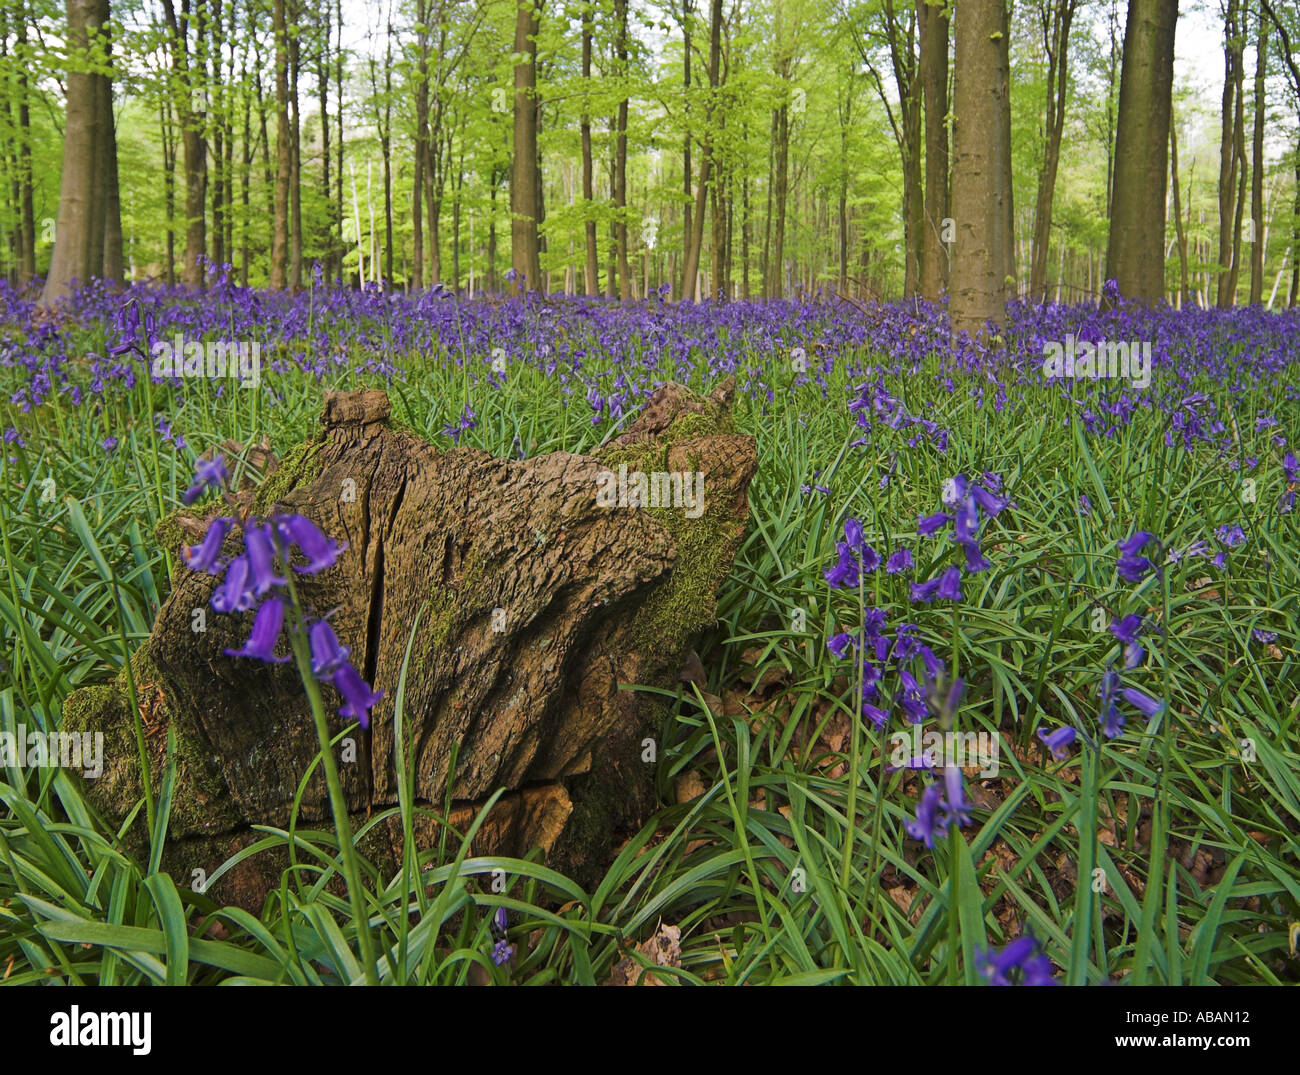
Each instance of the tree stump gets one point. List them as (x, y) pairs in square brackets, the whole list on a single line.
[(529, 595)]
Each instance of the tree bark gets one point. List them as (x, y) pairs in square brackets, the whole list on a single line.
[(691, 261), (591, 274), (525, 600), (1056, 18), (1135, 250), (525, 251), (283, 156), (88, 216), (933, 31), (1257, 250), (978, 290)]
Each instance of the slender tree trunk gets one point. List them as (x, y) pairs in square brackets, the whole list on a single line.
[(933, 28), (1185, 286), (27, 216), (322, 89), (295, 155), (1136, 246), (978, 290), (691, 262), (1057, 18), (525, 252), (1259, 245), (1228, 159), (84, 227), (620, 153), (283, 156), (591, 275)]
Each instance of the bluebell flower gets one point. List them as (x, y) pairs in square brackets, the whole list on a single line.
[(899, 561), (929, 822), (1059, 741), (203, 556), (1018, 962), (839, 644), (265, 633)]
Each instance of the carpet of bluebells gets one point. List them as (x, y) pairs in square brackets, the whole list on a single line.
[(1098, 582)]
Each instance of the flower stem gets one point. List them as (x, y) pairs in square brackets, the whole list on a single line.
[(338, 804)]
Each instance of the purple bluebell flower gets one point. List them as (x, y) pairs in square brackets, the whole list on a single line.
[(1020, 961), (1231, 536), (208, 474), (845, 571), (327, 655), (502, 950), (1140, 700), (839, 644), (1261, 635), (1109, 716), (879, 717), (956, 807), (924, 592), (358, 699), (265, 633), (899, 561), (1058, 742), (203, 556), (261, 559), (321, 552), (950, 585), (1291, 467), (933, 665), (929, 524), (928, 823), (1128, 629), (1085, 505), (1130, 566), (234, 593)]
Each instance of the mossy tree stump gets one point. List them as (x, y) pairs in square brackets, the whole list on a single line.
[(525, 599)]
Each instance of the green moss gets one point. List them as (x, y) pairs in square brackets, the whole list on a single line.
[(199, 803), (685, 603), (301, 465)]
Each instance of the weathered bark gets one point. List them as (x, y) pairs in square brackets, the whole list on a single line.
[(525, 604), (978, 291), (1135, 249)]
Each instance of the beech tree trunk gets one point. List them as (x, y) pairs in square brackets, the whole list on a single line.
[(525, 210), (1135, 250), (933, 24), (283, 154), (1257, 250), (978, 290), (591, 274), (88, 234), (1057, 17)]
